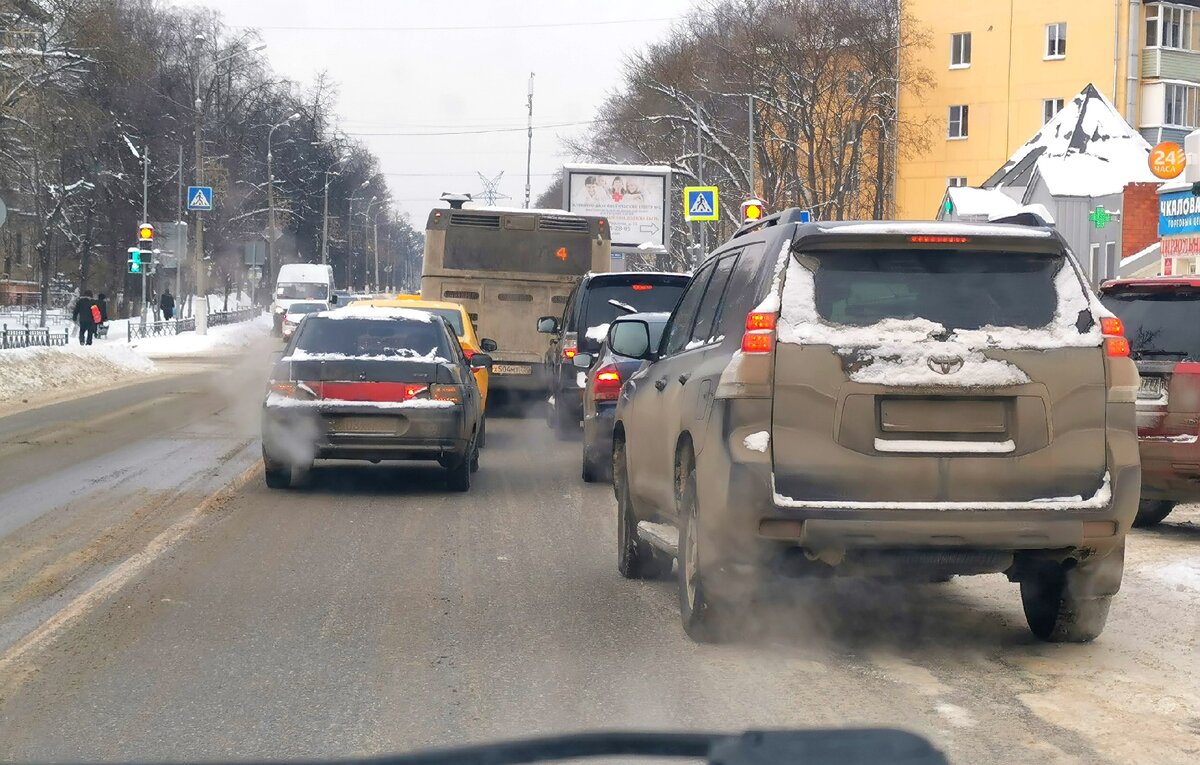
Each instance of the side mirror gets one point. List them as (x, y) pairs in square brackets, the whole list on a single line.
[(631, 338), (488, 345), (583, 360), (547, 325), (333, 300), (481, 361)]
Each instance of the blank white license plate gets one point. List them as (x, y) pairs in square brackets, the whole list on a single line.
[(511, 369), (366, 424)]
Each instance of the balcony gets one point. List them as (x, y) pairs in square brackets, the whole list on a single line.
[(1170, 64)]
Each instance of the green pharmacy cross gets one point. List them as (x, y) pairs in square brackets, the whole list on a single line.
[(1100, 217)]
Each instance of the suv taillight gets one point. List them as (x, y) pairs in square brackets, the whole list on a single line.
[(760, 333), (607, 386), (1115, 343)]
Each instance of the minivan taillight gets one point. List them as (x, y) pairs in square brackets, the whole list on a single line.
[(760, 332), (607, 386), (1115, 343)]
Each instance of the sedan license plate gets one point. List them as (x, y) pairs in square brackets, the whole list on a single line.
[(1153, 388), (511, 369), (380, 425)]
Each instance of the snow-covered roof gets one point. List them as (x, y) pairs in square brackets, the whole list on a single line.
[(1087, 150), (538, 210), (1141, 262), (971, 202)]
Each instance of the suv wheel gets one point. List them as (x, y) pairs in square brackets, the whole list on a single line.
[(278, 475), (594, 471), (636, 559), (699, 610), (1151, 512), (1070, 605)]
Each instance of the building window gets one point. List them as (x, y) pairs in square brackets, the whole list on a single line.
[(958, 121), (1050, 108), (1182, 107), (956, 181), (1056, 40), (1170, 27), (960, 50)]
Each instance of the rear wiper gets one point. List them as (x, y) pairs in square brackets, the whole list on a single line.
[(1140, 352), (623, 306)]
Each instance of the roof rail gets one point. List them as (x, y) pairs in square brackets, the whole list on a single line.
[(789, 215), (1034, 215)]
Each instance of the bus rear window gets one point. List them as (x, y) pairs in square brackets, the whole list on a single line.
[(476, 251)]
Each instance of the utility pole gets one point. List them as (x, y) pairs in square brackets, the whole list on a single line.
[(180, 242), (271, 233), (145, 220), (325, 224), (700, 174), (529, 143), (375, 246), (750, 138), (201, 291), (350, 246)]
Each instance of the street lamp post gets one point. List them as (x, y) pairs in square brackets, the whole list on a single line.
[(366, 220), (271, 195), (201, 311), (325, 213)]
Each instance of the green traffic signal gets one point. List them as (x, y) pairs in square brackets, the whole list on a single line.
[(135, 262)]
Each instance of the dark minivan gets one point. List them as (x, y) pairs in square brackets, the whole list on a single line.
[(590, 308)]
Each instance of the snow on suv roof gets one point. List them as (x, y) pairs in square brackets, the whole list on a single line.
[(932, 228)]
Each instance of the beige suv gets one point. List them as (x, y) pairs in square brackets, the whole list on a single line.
[(914, 400)]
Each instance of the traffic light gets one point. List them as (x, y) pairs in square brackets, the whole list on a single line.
[(135, 260), (753, 210), (146, 237)]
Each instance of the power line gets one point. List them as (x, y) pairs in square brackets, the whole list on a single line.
[(521, 129), (485, 27)]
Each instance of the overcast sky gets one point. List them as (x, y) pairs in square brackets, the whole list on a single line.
[(396, 80)]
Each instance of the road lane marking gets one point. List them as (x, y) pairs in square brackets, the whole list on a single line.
[(116, 579)]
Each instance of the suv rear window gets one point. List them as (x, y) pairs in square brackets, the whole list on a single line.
[(957, 289), (402, 338), (1160, 323), (656, 294)]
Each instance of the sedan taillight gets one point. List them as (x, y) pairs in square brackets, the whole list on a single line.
[(607, 385)]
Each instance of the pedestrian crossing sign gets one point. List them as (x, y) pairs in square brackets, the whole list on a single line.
[(200, 198), (700, 203)]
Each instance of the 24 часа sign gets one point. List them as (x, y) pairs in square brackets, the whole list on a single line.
[(1178, 213)]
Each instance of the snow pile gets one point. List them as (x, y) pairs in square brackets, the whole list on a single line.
[(1182, 575), (401, 354), (770, 304), (226, 336), (757, 442), (71, 368), (907, 352), (597, 333), (911, 446), (374, 312), (1087, 150)]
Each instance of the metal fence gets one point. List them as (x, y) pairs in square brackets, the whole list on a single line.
[(24, 337), (138, 331)]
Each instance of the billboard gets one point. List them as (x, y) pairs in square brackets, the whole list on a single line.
[(1178, 213), (632, 197)]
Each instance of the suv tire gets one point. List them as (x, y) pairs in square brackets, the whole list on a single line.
[(700, 611), (1070, 605), (277, 476), (594, 471), (1152, 512), (636, 559)]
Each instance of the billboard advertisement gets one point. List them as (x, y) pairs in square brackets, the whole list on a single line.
[(632, 197)]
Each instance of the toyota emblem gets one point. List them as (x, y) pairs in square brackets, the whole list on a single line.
[(945, 365)]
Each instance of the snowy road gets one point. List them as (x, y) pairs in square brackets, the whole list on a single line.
[(145, 614)]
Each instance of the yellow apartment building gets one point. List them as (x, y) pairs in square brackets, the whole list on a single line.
[(1004, 67)]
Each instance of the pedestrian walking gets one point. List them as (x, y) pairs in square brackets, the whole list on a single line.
[(87, 315), (167, 304)]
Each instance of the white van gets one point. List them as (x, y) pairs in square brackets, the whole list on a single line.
[(298, 282)]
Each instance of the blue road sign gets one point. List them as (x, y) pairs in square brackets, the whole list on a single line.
[(200, 198), (700, 203)]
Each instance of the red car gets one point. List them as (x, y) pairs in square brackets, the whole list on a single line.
[(1162, 322)]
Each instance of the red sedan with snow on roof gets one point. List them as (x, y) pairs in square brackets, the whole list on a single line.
[(373, 384)]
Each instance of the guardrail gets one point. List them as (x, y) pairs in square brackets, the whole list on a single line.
[(25, 337), (137, 331)]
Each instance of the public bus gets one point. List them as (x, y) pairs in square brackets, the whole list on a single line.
[(509, 267)]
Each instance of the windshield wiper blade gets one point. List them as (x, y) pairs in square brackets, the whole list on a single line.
[(623, 306), (1140, 352)]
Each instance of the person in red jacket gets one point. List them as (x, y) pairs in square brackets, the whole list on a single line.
[(87, 316)]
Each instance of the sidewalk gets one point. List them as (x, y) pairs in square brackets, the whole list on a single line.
[(32, 377)]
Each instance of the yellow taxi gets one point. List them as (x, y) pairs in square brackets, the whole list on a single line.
[(458, 318)]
